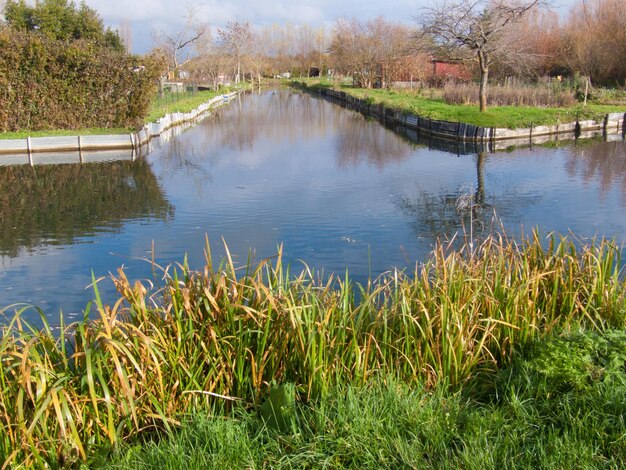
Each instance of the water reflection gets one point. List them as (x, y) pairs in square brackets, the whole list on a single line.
[(55, 204), (365, 140), (337, 190), (601, 161)]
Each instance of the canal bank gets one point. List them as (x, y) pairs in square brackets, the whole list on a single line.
[(87, 148), (611, 125)]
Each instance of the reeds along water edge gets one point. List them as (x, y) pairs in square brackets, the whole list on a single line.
[(203, 339)]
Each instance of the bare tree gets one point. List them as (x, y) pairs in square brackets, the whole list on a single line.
[(476, 31), (594, 40), (367, 50), (211, 65), (237, 39), (178, 45)]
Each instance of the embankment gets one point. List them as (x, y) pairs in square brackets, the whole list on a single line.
[(612, 125), (88, 147)]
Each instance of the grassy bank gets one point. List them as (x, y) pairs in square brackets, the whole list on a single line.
[(93, 131), (215, 341), (162, 105), (168, 103), (560, 402), (431, 104)]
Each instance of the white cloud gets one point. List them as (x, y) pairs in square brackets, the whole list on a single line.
[(145, 16)]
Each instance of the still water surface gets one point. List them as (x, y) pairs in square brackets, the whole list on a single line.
[(337, 190)]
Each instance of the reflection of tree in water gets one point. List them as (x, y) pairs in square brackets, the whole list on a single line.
[(184, 156), (445, 214), (283, 113), (604, 161), (367, 140), (272, 115), (55, 204)]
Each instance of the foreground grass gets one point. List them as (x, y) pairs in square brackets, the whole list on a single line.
[(512, 117), (560, 402), (146, 362)]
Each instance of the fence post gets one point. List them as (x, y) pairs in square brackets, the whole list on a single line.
[(28, 147), (80, 150)]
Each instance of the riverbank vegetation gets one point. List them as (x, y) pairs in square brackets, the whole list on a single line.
[(450, 104), (184, 102), (223, 340), (562, 400), (61, 69)]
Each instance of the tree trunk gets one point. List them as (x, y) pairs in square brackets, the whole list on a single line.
[(484, 78), (482, 94)]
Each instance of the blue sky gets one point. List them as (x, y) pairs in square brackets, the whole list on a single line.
[(146, 16)]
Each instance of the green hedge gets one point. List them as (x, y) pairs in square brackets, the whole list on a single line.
[(51, 84)]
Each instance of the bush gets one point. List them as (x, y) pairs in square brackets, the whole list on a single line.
[(51, 84), (454, 93)]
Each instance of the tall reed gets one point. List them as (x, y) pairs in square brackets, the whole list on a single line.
[(204, 339), (524, 95)]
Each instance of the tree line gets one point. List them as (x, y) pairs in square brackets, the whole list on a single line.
[(494, 38), (61, 68)]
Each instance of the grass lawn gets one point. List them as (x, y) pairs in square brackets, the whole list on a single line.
[(179, 103), (428, 104)]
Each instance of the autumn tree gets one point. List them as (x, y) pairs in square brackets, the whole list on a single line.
[(366, 50), (542, 34), (237, 40), (594, 40), (179, 45), (479, 31)]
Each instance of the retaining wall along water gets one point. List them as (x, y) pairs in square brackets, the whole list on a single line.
[(21, 150), (612, 124)]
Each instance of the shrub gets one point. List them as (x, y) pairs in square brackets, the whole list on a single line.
[(51, 84)]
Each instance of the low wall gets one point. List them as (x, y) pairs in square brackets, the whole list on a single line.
[(22, 150), (611, 124)]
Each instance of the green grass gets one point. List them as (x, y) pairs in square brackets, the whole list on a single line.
[(161, 106), (178, 103), (90, 131), (184, 102), (214, 340), (562, 401), (432, 106)]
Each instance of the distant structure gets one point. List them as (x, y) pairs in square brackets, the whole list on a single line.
[(450, 71), (412, 69)]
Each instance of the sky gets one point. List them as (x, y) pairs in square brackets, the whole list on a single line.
[(146, 16)]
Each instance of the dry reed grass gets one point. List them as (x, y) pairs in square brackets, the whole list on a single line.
[(205, 338), (538, 96)]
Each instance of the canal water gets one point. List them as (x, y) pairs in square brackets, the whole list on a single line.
[(338, 191)]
